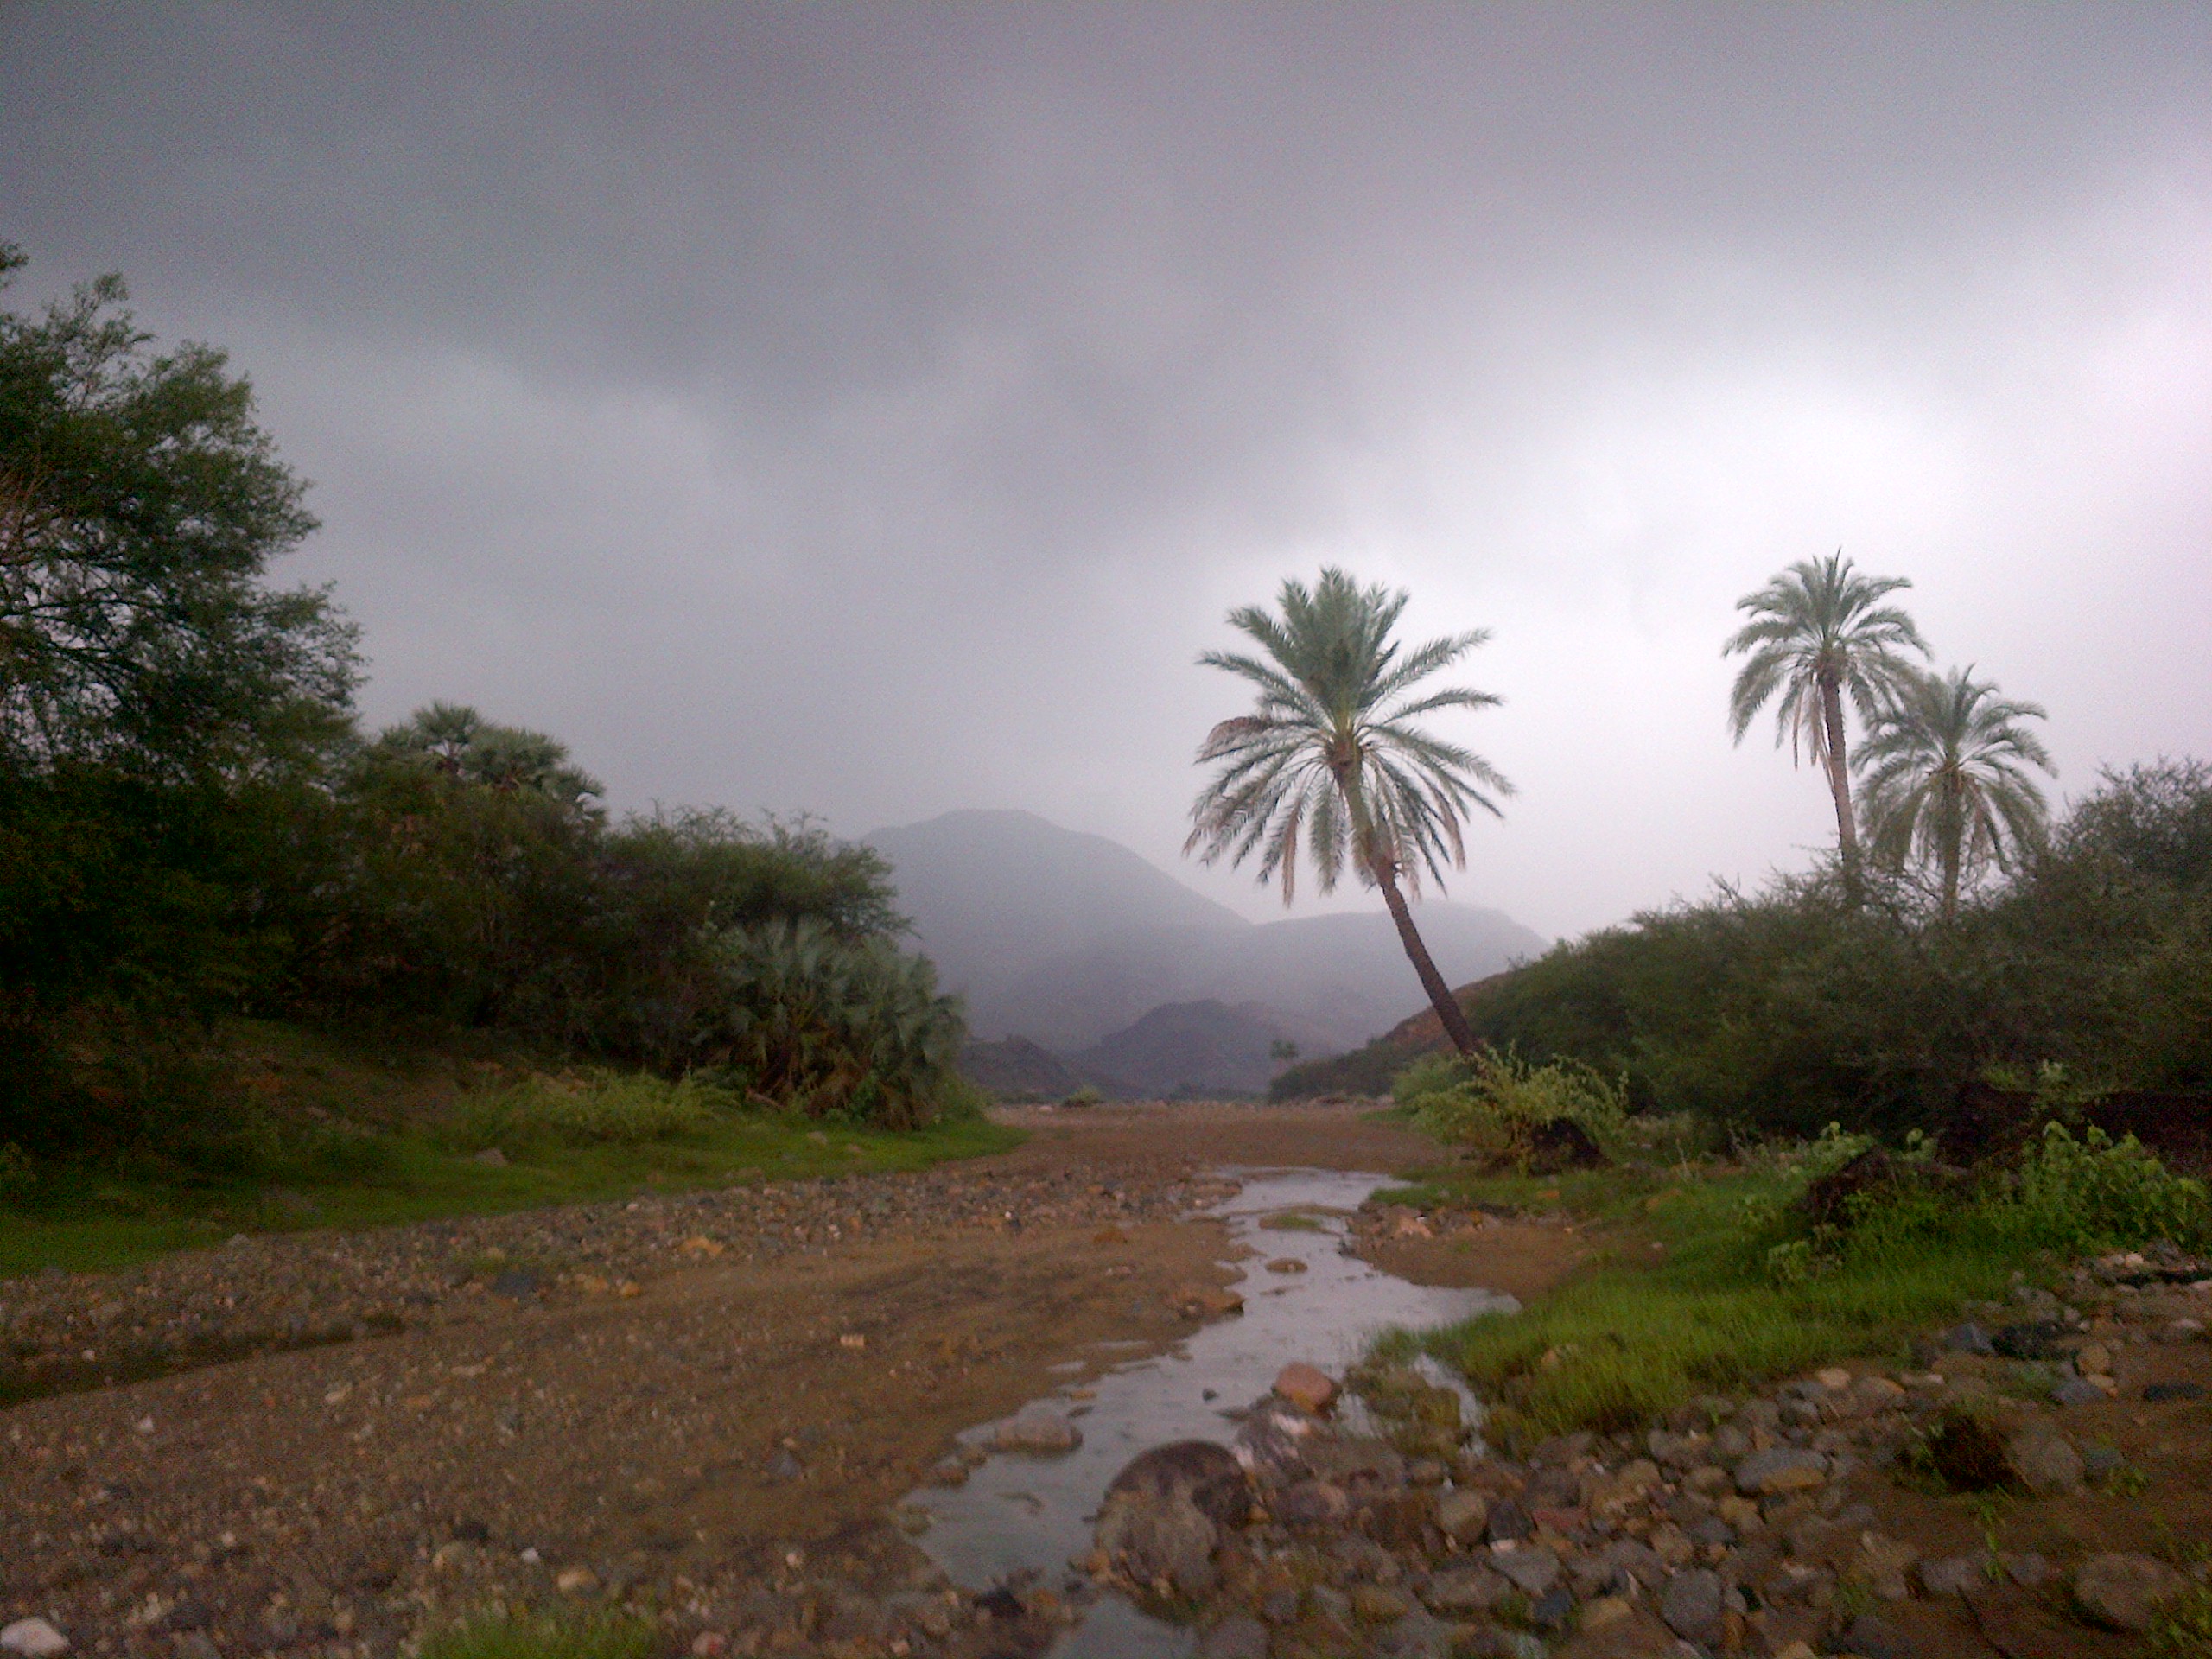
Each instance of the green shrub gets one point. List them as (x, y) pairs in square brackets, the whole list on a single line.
[(597, 1108), (839, 1027), (1494, 1103), (2092, 1193)]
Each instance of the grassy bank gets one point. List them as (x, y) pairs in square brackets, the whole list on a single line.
[(349, 1136), (1708, 1281)]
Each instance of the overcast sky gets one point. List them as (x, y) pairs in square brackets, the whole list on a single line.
[(875, 410)]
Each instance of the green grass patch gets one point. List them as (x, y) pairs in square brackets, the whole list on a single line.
[(1648, 1328), (517, 1636), (1711, 1282), (562, 1142)]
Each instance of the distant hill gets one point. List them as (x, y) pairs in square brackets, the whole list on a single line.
[(1014, 1068), (1204, 1049), (1067, 939), (1369, 1069)]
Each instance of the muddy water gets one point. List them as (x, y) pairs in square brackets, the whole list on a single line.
[(1022, 1515)]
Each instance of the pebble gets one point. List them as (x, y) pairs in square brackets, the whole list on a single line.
[(1307, 1386), (2046, 1464), (33, 1638), (1040, 1433), (1781, 1469), (2125, 1592), (1692, 1604)]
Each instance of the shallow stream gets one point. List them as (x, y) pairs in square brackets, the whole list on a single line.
[(1021, 1515)]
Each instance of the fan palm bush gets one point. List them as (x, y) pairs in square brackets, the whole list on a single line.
[(1334, 762), (835, 1025), (1946, 780), (1819, 633), (1495, 1103)]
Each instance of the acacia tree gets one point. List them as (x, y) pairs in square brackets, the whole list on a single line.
[(1947, 779), (1333, 763), (1819, 633), (140, 506)]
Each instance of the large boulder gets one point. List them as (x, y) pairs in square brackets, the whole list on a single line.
[(1165, 1511)]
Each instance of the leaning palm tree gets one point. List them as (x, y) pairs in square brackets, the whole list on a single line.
[(1333, 762), (1818, 633), (1947, 779)]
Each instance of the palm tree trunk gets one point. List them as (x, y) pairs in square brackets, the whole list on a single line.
[(1440, 994), (1846, 830)]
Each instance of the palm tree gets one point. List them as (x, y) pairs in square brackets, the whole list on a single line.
[(1946, 778), (1333, 763), (1819, 633)]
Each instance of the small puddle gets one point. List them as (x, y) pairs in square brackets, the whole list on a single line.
[(1026, 1516)]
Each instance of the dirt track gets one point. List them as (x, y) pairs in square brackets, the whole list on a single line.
[(729, 1420)]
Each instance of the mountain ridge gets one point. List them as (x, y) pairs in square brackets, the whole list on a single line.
[(1067, 938)]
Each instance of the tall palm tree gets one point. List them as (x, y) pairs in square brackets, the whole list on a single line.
[(1819, 633), (1334, 764), (1946, 778)]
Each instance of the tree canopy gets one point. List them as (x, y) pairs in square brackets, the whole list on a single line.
[(140, 506)]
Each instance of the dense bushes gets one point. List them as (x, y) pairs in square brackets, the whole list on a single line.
[(1778, 1012)]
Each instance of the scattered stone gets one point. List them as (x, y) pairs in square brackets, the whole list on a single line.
[(1307, 1386), (1603, 1612), (1456, 1591), (2157, 1393), (2027, 1570), (1694, 1603), (575, 1581), (1040, 1433), (33, 1638), (1508, 1524), (1532, 1572), (1286, 1264), (2045, 1463), (490, 1158), (2077, 1391), (2125, 1592), (2031, 1339), (1205, 1301), (519, 1283), (2094, 1360), (1462, 1514), (1312, 1504), (1781, 1469), (1375, 1604), (1951, 1576), (1969, 1338)]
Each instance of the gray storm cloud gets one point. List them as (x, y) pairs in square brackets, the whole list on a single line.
[(875, 410)]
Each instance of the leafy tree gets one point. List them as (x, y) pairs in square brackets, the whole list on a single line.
[(1819, 633), (462, 744), (140, 505), (1333, 763), (163, 712), (1947, 779)]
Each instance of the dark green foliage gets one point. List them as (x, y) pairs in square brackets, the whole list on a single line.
[(139, 506), (835, 1025), (1788, 1010)]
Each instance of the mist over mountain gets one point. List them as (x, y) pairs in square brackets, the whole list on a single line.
[(1069, 939)]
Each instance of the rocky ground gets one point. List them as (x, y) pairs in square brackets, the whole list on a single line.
[(703, 1405), (705, 1409), (2034, 1484)]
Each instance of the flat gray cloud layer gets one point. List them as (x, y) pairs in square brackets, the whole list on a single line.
[(875, 410)]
